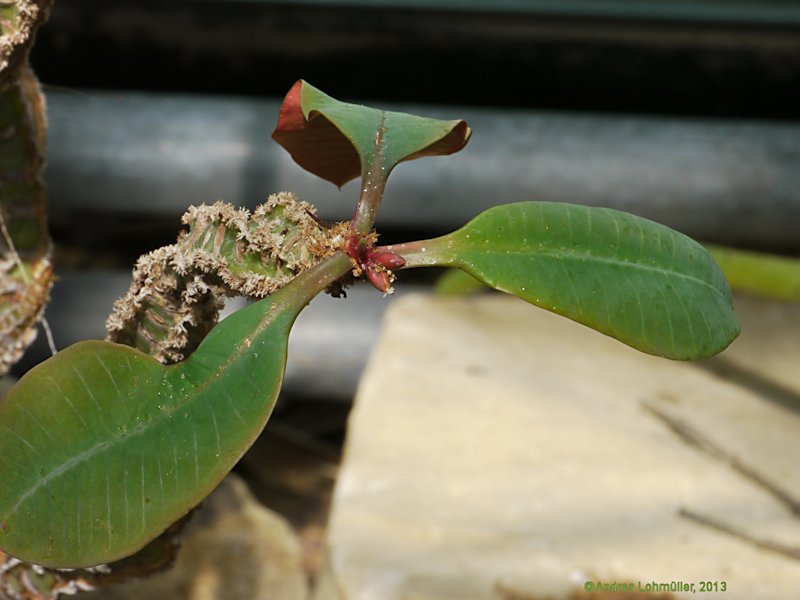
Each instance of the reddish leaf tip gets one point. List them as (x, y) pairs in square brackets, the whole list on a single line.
[(312, 140), (453, 141), (335, 140), (291, 117)]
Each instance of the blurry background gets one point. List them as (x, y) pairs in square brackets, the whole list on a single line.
[(681, 110), (684, 111)]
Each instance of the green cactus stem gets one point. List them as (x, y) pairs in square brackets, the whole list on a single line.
[(178, 290)]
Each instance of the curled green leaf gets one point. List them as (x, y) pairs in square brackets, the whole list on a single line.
[(339, 141)]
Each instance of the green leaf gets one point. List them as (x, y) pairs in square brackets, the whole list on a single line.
[(102, 447), (339, 141), (766, 275), (635, 280)]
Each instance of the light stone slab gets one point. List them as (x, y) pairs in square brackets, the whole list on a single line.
[(497, 451)]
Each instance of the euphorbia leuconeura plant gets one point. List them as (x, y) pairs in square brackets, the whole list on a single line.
[(103, 447)]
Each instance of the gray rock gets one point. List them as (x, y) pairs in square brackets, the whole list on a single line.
[(497, 451)]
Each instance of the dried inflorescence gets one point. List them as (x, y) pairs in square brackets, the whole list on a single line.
[(178, 290), (25, 269), (24, 292), (23, 581), (19, 20)]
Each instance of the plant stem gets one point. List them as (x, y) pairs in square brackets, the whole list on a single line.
[(373, 183), (368, 203), (767, 275), (308, 284), (422, 253)]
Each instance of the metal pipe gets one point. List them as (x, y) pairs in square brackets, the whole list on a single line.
[(729, 182)]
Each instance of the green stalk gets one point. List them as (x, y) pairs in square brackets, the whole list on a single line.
[(373, 184), (767, 275)]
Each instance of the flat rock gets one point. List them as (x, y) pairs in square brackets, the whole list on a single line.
[(498, 451)]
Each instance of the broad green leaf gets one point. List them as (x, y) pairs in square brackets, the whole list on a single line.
[(339, 141), (766, 275), (635, 280), (102, 447)]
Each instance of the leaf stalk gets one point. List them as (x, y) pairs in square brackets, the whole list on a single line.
[(308, 284), (373, 184), (420, 253)]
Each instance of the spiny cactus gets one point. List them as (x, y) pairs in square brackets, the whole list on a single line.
[(178, 290)]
